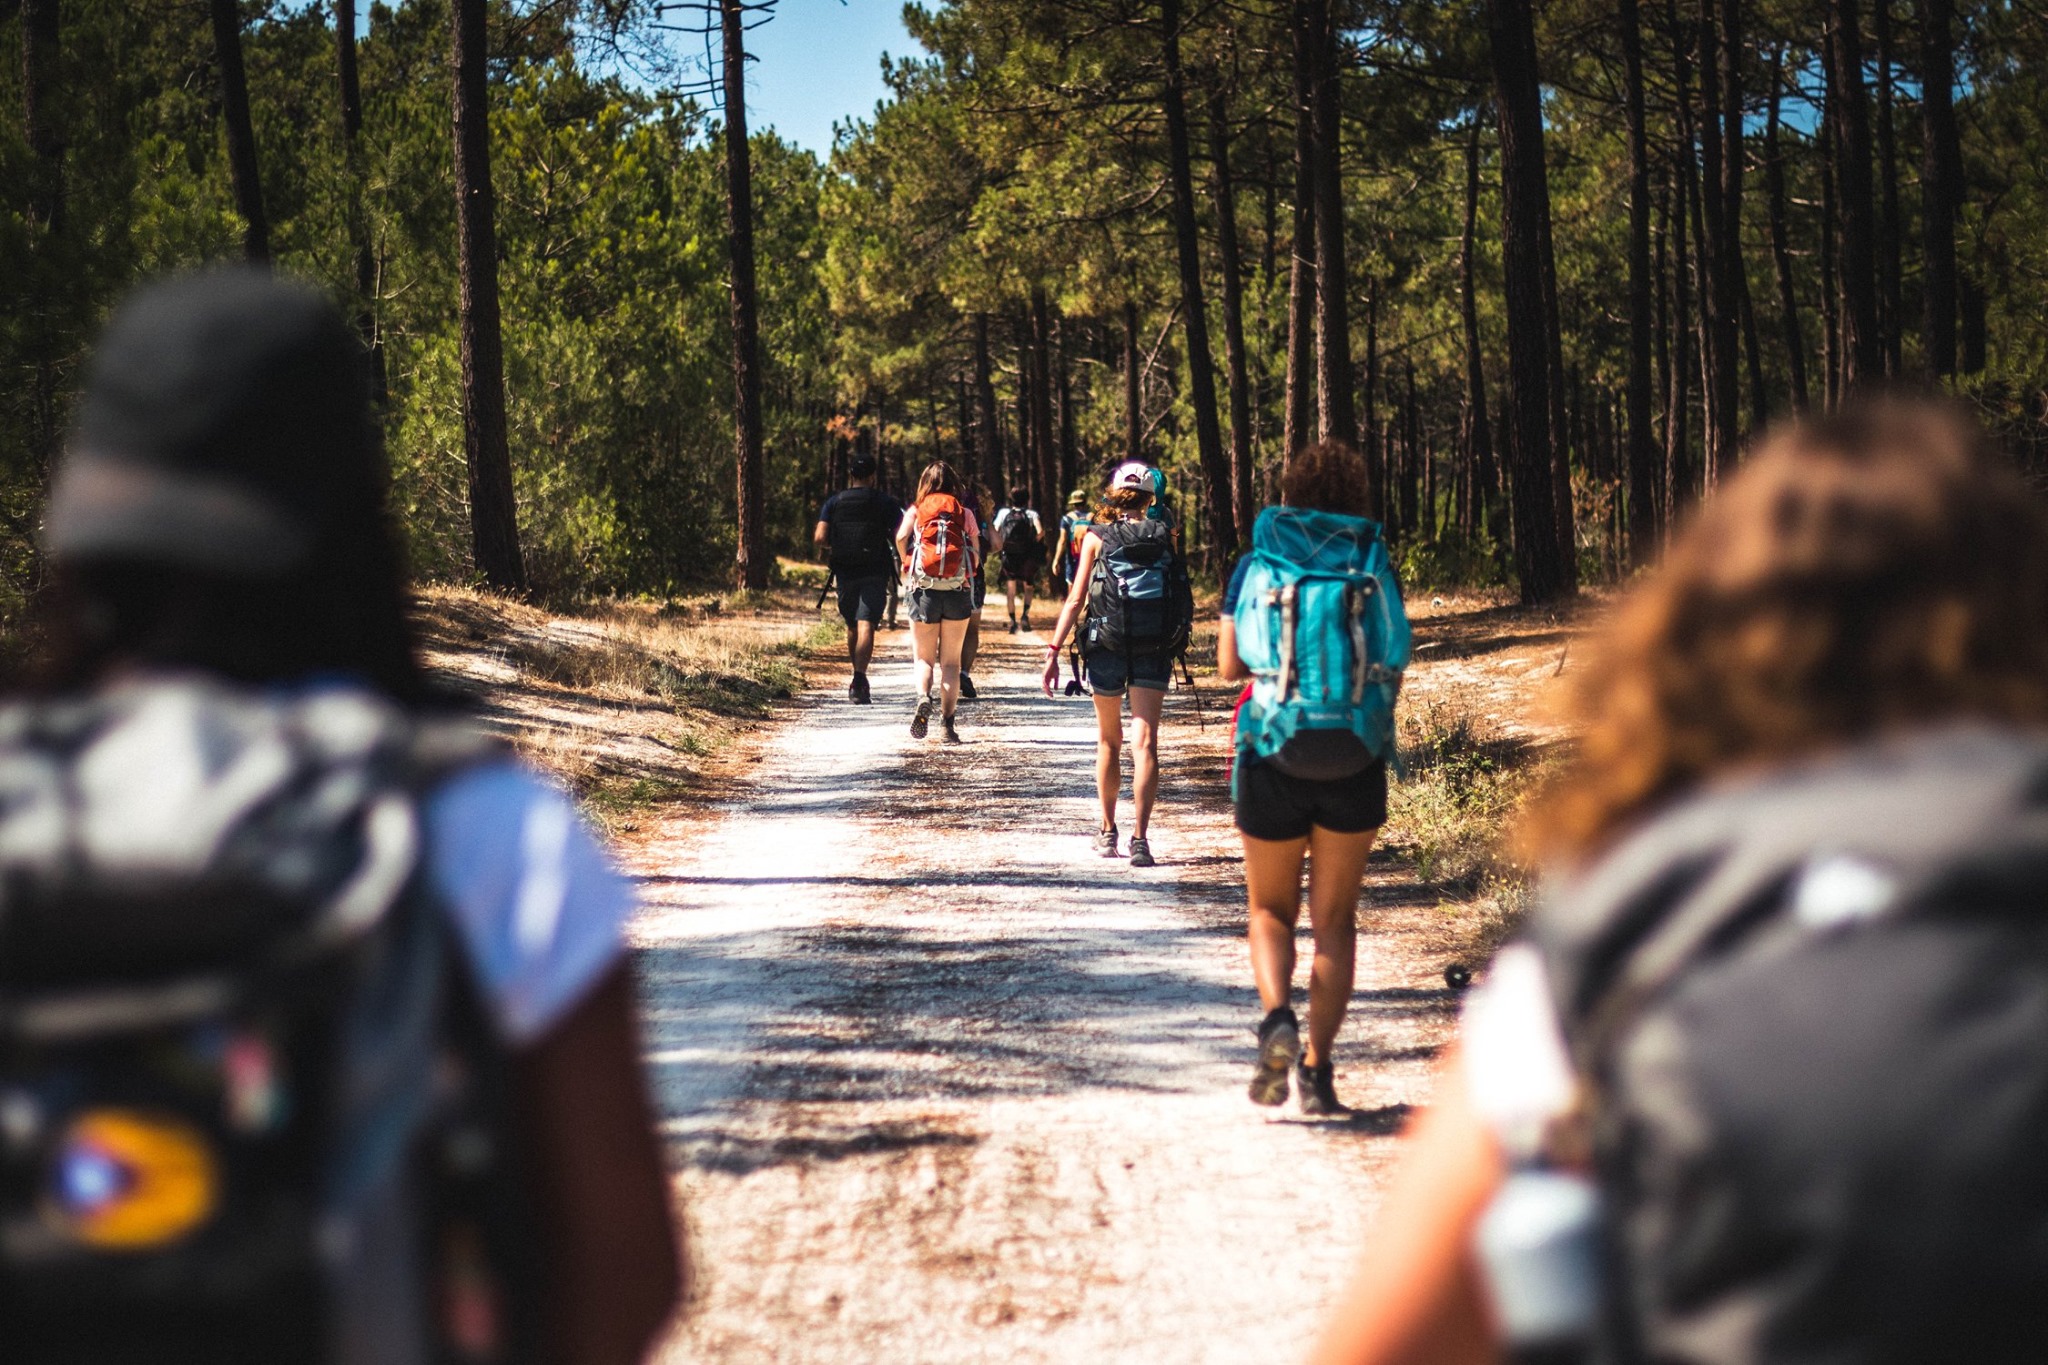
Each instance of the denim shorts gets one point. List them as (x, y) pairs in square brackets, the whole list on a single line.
[(1108, 675)]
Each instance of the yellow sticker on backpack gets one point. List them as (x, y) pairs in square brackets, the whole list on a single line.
[(123, 1180)]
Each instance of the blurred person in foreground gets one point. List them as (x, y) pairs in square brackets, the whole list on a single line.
[(1766, 1077), (318, 1039)]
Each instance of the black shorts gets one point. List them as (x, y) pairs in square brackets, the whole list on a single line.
[(1022, 568), (1273, 806), (1108, 674), (928, 606), (863, 599)]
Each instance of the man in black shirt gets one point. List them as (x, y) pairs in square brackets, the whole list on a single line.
[(857, 526)]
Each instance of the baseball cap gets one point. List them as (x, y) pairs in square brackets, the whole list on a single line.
[(1078, 498), (1132, 474), (861, 466), (223, 415)]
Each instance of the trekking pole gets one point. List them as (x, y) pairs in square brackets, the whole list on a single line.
[(1201, 721), (826, 591)]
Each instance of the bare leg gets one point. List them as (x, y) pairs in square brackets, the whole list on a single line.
[(924, 640), (860, 646), (952, 639), (1272, 880), (1145, 706), (1025, 588), (1335, 871), (1010, 600), (971, 646), (1109, 753)]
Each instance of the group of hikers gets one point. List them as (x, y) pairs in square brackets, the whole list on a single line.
[(318, 1033)]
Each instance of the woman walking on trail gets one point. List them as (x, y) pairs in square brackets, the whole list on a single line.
[(1762, 1080), (345, 951), (1114, 668), (1066, 549), (1314, 615), (940, 542)]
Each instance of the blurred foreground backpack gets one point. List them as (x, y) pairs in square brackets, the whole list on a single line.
[(1810, 1013), (1321, 627), (1140, 602), (250, 1109)]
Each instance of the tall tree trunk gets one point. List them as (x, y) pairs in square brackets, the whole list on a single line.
[(493, 512), (1063, 400), (1752, 350), (360, 245), (1301, 270), (1134, 404), (988, 426), (1890, 292), (1412, 512), (41, 35), (1660, 267), (1478, 428), (750, 566), (1336, 412), (1941, 184), (1731, 280), (970, 452), (1790, 335), (1045, 475), (1678, 406), (1382, 505), (1862, 340), (1831, 342), (1195, 313), (1717, 361), (1642, 454), (1236, 384), (1525, 195), (241, 133), (1562, 506)]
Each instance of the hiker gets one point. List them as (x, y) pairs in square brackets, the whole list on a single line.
[(1133, 607), (856, 525), (1066, 550), (1313, 616), (1019, 537), (319, 1039), (1763, 1078), (939, 540)]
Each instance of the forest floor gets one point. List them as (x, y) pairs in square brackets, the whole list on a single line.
[(941, 1085)]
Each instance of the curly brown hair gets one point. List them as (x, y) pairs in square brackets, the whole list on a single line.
[(1869, 572), (1127, 502), (1328, 476)]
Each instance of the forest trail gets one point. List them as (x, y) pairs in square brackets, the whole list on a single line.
[(943, 1086)]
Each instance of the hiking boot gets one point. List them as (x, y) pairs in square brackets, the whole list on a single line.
[(1141, 852), (921, 723), (1316, 1088), (1027, 620), (967, 692), (1013, 625), (946, 730), (1279, 1050), (857, 690), (1105, 842)]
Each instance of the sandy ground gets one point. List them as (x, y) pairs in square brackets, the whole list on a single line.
[(941, 1085)]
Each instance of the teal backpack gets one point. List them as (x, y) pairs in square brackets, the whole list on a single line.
[(1320, 625)]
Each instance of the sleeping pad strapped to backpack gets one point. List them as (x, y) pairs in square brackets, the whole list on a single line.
[(1140, 602), (250, 1109), (1321, 627)]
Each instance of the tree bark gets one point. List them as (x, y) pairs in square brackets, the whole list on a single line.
[(1045, 467), (1731, 281), (1238, 387), (1382, 505), (1336, 411), (1717, 362), (1862, 341), (361, 247), (750, 564), (241, 133), (1134, 405), (1941, 185), (1890, 229), (1790, 335), (1478, 427), (1524, 199), (970, 453), (1831, 344), (41, 35), (1301, 271), (1063, 402), (1195, 314), (987, 423), (1642, 455), (1562, 505), (493, 512), (1678, 405)]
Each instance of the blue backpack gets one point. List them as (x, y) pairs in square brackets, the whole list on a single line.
[(1320, 625)]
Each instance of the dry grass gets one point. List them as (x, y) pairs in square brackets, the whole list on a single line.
[(631, 704)]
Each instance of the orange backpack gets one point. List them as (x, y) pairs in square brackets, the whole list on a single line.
[(940, 556)]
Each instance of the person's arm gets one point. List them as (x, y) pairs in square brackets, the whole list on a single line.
[(1070, 610), (1229, 667), (1059, 552), (615, 1269), (998, 532), (903, 531), (1417, 1297)]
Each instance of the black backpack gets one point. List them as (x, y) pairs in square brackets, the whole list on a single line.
[(862, 533), (1811, 1014), (250, 1108), (1140, 601)]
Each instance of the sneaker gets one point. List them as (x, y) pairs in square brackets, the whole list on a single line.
[(1105, 842), (1013, 625), (1316, 1088), (1027, 620), (921, 723), (946, 729), (1279, 1050), (967, 692), (857, 691), (1141, 852)]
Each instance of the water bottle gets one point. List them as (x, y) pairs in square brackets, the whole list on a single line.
[(1539, 1250)]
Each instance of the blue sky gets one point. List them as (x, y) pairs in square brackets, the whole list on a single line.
[(821, 60)]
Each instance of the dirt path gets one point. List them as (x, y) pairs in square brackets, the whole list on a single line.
[(944, 1086)]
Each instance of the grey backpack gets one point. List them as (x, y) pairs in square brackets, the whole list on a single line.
[(249, 1109)]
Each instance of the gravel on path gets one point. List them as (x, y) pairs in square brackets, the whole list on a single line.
[(941, 1085)]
